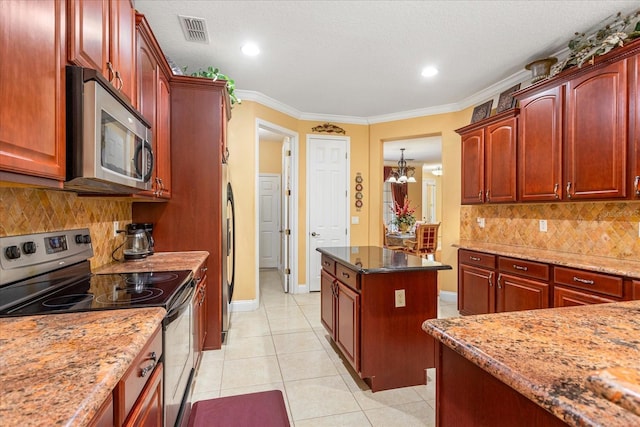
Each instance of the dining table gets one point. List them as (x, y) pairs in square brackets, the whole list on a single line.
[(398, 239)]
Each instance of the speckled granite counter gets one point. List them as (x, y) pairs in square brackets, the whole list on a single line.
[(58, 369), (548, 355), (620, 267), (374, 259), (160, 261)]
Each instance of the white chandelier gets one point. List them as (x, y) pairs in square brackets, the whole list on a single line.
[(402, 173)]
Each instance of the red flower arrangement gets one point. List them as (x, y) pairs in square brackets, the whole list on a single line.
[(403, 214)]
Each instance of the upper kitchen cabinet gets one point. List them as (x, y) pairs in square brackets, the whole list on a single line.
[(153, 100), (540, 146), (578, 132), (101, 36), (634, 125), (32, 111), (489, 159)]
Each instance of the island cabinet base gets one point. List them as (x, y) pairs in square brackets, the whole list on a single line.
[(466, 395)]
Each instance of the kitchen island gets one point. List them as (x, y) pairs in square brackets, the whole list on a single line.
[(539, 367), (60, 369), (373, 303)]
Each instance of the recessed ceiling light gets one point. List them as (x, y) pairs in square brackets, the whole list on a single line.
[(250, 49), (429, 71)]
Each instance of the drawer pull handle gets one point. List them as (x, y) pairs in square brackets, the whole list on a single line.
[(585, 281), (519, 267), (345, 275), (326, 263), (473, 258), (144, 371)]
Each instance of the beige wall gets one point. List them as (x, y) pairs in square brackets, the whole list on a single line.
[(271, 157)]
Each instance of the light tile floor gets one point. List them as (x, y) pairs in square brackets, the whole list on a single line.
[(282, 345)]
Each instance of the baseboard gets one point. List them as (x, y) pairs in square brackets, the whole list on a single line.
[(244, 305), (448, 296)]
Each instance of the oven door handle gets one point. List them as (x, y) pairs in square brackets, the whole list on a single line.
[(185, 302)]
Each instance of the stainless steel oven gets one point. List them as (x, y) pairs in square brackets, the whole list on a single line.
[(48, 273)]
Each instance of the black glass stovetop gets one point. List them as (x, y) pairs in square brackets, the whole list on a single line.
[(65, 293)]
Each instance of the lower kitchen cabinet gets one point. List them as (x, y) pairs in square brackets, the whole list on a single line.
[(476, 282), (567, 297), (200, 316), (148, 411), (579, 287), (635, 289), (375, 321), (138, 398), (104, 417), (522, 285)]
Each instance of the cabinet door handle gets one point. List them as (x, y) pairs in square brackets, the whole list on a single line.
[(345, 275), (637, 185), (487, 198), (144, 371), (480, 195), (569, 189), (491, 279), (119, 81), (111, 72), (326, 263), (585, 281), (499, 279), (520, 267), (555, 191)]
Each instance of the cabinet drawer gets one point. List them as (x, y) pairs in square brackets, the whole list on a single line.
[(594, 282), (130, 386), (329, 265), (566, 297), (476, 258), (535, 270), (347, 276)]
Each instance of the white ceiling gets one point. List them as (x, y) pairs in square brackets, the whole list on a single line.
[(361, 60)]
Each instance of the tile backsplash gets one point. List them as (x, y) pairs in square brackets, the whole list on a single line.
[(608, 229), (29, 210)]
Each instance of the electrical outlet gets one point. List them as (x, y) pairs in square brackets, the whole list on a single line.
[(480, 222), (116, 227), (543, 225), (400, 299)]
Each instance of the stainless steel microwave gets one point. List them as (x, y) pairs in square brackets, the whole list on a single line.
[(108, 141)]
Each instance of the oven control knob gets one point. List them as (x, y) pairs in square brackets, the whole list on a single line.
[(78, 238), (29, 248), (86, 239), (12, 252)]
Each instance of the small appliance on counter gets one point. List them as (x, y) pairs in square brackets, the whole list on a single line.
[(146, 226), (138, 243)]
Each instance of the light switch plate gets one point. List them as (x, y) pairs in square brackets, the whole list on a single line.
[(480, 222), (543, 225), (400, 298), (355, 220)]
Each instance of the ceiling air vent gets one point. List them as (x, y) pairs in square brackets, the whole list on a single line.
[(195, 29)]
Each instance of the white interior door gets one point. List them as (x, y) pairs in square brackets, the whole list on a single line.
[(269, 220), (285, 235), (327, 195)]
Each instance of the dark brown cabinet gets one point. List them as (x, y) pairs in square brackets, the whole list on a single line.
[(489, 159), (32, 154), (149, 410), (540, 146), (199, 316), (634, 125), (154, 102), (192, 218), (488, 283), (476, 282), (101, 36), (596, 129), (522, 285), (379, 335), (104, 417), (635, 289), (577, 287)]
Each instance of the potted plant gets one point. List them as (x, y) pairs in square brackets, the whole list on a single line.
[(215, 74), (403, 218)]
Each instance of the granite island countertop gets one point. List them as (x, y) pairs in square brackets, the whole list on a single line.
[(374, 259), (58, 369), (159, 261), (550, 355), (601, 264)]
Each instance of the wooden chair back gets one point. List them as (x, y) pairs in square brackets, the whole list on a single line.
[(426, 239)]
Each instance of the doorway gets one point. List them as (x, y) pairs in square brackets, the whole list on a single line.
[(327, 197), (276, 203)]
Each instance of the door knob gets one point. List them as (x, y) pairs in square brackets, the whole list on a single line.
[(314, 234)]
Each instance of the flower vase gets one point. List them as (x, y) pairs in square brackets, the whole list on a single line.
[(403, 227)]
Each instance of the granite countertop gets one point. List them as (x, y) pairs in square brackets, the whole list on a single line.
[(374, 259), (551, 356), (600, 264), (58, 369), (159, 261)]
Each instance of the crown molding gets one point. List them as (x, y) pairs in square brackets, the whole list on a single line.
[(491, 92)]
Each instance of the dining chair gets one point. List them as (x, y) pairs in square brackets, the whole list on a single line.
[(385, 231), (426, 241)]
